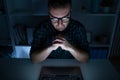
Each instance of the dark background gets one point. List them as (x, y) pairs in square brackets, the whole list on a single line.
[(18, 19)]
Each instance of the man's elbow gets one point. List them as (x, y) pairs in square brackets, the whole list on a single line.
[(84, 59), (34, 59)]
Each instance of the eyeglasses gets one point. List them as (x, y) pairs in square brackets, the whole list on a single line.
[(64, 19)]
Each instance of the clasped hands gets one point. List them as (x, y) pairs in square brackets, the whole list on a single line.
[(60, 41)]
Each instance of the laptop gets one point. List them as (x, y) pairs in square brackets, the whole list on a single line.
[(60, 73)]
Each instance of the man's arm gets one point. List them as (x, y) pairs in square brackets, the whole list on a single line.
[(81, 48), (39, 56), (39, 51), (79, 55)]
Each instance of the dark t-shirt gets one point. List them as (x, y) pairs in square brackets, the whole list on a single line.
[(75, 34)]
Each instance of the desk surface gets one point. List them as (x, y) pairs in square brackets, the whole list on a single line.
[(23, 69)]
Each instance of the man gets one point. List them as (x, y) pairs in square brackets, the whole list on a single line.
[(59, 36)]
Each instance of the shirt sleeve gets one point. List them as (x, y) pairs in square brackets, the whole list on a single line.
[(38, 39), (81, 39)]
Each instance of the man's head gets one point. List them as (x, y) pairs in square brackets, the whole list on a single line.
[(59, 12)]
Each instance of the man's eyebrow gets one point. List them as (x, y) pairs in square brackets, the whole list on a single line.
[(61, 17)]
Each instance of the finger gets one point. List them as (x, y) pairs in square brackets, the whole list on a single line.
[(57, 41), (61, 38)]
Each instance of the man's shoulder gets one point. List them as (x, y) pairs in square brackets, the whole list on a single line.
[(76, 24), (41, 25), (44, 22)]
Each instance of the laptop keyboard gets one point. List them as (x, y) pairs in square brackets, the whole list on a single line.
[(61, 73), (61, 77)]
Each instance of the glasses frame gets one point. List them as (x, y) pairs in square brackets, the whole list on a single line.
[(66, 16)]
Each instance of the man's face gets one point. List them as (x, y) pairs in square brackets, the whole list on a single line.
[(60, 17)]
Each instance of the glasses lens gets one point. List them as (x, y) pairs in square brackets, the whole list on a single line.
[(64, 20), (54, 20)]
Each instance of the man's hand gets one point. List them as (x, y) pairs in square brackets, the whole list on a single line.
[(55, 46), (60, 41)]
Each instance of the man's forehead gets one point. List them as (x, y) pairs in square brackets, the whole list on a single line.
[(59, 12)]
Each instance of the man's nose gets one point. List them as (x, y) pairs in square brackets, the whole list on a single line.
[(60, 23)]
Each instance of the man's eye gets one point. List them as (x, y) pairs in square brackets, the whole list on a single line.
[(65, 19), (54, 19)]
